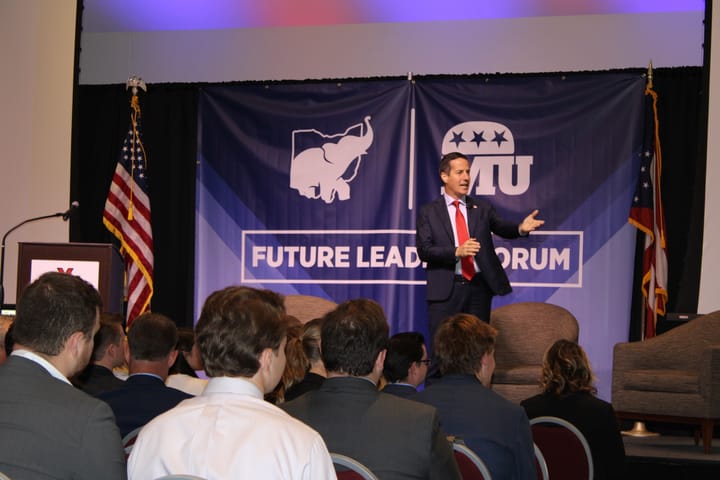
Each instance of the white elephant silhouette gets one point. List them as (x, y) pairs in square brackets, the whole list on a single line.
[(325, 172)]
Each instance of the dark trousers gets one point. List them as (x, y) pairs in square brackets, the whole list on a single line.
[(473, 297)]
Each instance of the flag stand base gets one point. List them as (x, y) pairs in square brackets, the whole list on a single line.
[(639, 430)]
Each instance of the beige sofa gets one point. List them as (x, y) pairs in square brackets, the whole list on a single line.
[(674, 377)]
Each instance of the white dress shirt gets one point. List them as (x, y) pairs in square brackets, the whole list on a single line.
[(229, 432)]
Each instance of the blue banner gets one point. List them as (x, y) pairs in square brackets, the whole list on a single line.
[(313, 188)]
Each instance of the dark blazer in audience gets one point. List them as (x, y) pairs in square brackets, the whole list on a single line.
[(96, 379), (497, 430), (399, 389), (388, 434), (141, 398), (490, 425), (568, 393), (394, 437), (312, 381)]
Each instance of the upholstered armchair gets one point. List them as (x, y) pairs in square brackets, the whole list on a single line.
[(674, 377), (307, 307), (525, 331)]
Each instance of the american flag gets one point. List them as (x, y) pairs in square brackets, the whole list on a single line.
[(127, 216), (647, 215)]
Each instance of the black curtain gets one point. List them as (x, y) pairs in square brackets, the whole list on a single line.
[(169, 128), (170, 136)]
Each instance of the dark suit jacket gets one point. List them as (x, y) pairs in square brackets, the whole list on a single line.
[(51, 430), (400, 389), (96, 379), (436, 245), (312, 381), (140, 399), (393, 437), (595, 419), (490, 425)]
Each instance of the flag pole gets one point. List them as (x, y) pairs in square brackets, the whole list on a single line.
[(639, 429)]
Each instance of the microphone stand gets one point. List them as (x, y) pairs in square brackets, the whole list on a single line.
[(2, 248)]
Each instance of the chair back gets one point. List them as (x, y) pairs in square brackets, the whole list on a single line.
[(471, 466), (540, 464), (128, 441), (307, 307), (528, 329), (348, 468), (563, 447)]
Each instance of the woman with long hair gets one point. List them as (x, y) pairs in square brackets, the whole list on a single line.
[(568, 392)]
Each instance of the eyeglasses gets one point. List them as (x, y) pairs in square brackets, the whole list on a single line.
[(427, 361)]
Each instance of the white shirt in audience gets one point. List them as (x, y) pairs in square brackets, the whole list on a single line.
[(229, 432)]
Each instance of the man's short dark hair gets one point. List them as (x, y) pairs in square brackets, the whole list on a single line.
[(352, 337), (236, 324), (404, 349), (110, 333), (52, 308), (444, 166), (152, 336), (460, 343)]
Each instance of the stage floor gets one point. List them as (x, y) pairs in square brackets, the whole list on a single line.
[(671, 456)]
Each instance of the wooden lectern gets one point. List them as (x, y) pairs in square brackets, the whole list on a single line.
[(97, 263)]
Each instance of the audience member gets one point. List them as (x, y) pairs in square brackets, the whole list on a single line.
[(490, 425), (108, 353), (568, 393), (149, 353), (295, 361), (50, 429), (183, 374), (5, 322), (406, 364), (392, 436), (229, 431), (315, 371)]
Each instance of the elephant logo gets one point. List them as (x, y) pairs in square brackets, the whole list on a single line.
[(323, 166)]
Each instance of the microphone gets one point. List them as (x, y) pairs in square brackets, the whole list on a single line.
[(65, 215)]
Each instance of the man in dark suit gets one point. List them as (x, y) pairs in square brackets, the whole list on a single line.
[(108, 353), (150, 352), (392, 436), (406, 364), (50, 429), (463, 274), (497, 430)]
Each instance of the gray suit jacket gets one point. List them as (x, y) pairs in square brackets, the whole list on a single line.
[(51, 430), (393, 437), (436, 245)]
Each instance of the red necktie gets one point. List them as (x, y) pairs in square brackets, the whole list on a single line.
[(468, 269)]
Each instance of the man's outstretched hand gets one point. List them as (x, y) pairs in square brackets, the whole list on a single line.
[(530, 223)]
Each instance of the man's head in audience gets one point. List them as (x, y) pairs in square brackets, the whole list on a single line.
[(109, 350), (354, 340), (465, 344), (57, 317), (151, 344), (406, 359), (242, 332), (5, 322)]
